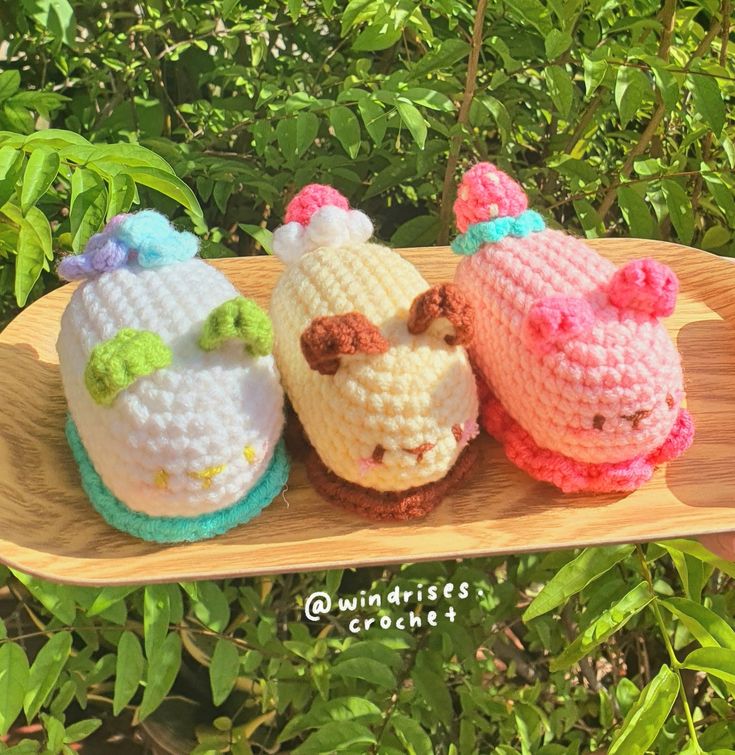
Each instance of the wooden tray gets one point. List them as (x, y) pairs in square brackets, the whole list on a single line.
[(48, 528)]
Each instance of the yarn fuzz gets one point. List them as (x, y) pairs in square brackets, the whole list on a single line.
[(581, 381), (370, 355), (174, 397)]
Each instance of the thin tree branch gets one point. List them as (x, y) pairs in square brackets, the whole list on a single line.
[(660, 110), (455, 146)]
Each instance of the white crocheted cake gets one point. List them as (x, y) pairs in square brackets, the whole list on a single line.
[(186, 423)]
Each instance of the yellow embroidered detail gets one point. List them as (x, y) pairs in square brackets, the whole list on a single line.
[(161, 479), (206, 475), (249, 453)]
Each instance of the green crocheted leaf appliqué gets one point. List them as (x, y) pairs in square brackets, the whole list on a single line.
[(238, 318), (117, 363)]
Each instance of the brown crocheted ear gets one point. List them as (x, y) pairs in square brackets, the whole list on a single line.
[(328, 338), (443, 300)]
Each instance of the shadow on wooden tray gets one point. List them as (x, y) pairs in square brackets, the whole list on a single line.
[(705, 475)]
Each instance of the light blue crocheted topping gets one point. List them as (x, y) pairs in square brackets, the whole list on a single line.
[(177, 529), (492, 231)]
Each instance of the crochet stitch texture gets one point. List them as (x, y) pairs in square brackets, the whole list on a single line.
[(384, 408), (584, 385), (185, 436)]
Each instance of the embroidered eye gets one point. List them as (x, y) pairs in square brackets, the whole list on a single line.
[(598, 422), (670, 401), (636, 417)]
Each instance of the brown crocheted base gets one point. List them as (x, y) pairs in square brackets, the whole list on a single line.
[(413, 503)]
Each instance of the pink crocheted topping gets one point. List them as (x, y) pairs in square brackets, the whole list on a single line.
[(586, 377), (570, 475), (486, 193), (310, 199)]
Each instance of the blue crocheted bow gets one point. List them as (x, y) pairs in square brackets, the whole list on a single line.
[(492, 231)]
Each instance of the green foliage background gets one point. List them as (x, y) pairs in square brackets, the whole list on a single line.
[(615, 117)]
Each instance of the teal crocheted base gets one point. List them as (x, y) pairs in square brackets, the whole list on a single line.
[(177, 529)]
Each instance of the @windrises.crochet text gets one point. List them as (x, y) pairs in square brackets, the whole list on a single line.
[(398, 608)]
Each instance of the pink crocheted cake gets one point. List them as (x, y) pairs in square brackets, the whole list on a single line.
[(579, 379)]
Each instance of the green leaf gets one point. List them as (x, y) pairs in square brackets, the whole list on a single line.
[(262, 235), (419, 231), (57, 139), (446, 55), (429, 98), (378, 35), (88, 203), (412, 735), (680, 209), (128, 671), (13, 682), (336, 736), (81, 730), (163, 668), (29, 261), (374, 118), (699, 551), (720, 191), (715, 237), (107, 597), (11, 164), (631, 84), (54, 730), (367, 669), (636, 213), (168, 184), (556, 43), (594, 74), (432, 687), (45, 671), (561, 88), (56, 16), (574, 576), (709, 629), (296, 134), (212, 607), (120, 195), (609, 622), (41, 171), (719, 662), (54, 598), (156, 617), (336, 709), (647, 715), (708, 101), (223, 670), (413, 121), (9, 84), (346, 128)]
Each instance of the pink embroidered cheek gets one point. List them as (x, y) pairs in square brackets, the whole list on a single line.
[(465, 432)]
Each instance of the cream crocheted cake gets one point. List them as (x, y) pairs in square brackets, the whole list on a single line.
[(175, 404), (371, 357)]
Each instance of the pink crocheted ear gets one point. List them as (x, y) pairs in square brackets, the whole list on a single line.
[(485, 193), (554, 319), (646, 286), (310, 199)]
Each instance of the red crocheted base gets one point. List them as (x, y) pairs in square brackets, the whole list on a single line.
[(572, 476), (399, 505)]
